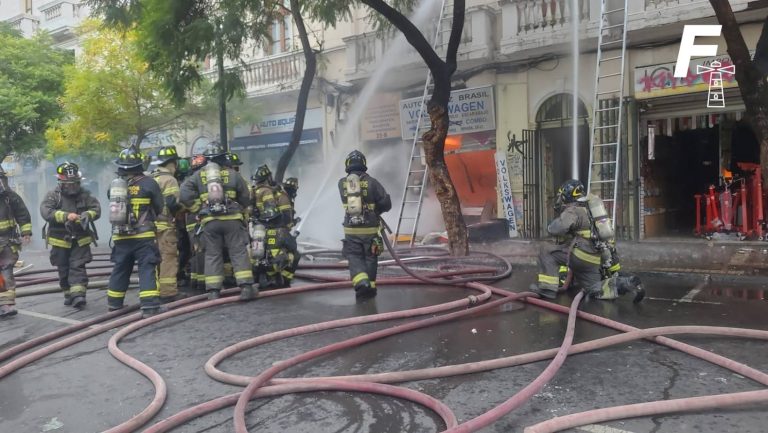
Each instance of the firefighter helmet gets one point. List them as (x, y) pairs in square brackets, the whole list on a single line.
[(291, 186), (130, 158), (355, 162), (263, 174), (167, 154), (572, 190), (183, 166), (213, 150), (234, 159), (68, 172)]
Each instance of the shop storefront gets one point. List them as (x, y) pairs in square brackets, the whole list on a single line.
[(264, 142), (689, 141)]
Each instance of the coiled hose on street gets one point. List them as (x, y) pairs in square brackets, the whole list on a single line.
[(450, 272)]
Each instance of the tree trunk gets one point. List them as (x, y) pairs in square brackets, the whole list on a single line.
[(751, 80), (437, 108), (306, 86)]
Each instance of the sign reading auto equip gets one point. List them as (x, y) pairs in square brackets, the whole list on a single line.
[(470, 110), (659, 80), (281, 122)]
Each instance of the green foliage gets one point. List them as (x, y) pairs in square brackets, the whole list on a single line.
[(111, 97), (30, 83)]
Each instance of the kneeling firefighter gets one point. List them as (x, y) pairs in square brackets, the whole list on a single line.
[(222, 195), (70, 211), (135, 201), (364, 200), (273, 246), (586, 247)]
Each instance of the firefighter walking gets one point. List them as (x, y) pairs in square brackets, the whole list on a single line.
[(15, 231), (591, 258), (70, 211), (167, 236), (272, 213), (135, 202), (222, 196), (364, 200)]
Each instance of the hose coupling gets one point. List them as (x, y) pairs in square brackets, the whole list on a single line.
[(473, 300)]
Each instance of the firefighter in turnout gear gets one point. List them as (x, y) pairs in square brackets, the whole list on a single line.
[(167, 236), (197, 258), (135, 201), (222, 196), (291, 188), (185, 247), (15, 230), (70, 211), (234, 161), (580, 251), (364, 200), (272, 210)]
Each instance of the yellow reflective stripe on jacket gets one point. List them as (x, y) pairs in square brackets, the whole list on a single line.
[(231, 193), (145, 235), (84, 241), (6, 224), (587, 257), (141, 200), (237, 216), (284, 207), (586, 234), (361, 230), (162, 225), (61, 243), (91, 213), (26, 228), (615, 268), (196, 205), (60, 216), (191, 227), (171, 190)]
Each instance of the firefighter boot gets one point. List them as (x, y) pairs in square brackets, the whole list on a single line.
[(7, 311), (248, 292), (544, 293), (152, 311), (364, 290), (214, 294), (77, 301), (630, 283), (67, 299)]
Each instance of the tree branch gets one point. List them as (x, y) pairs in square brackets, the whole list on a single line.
[(737, 47), (411, 33), (459, 9)]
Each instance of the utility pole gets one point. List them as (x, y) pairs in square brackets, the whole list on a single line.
[(222, 90)]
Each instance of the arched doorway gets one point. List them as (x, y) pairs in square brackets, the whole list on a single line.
[(554, 120)]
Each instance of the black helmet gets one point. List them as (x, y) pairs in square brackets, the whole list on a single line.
[(571, 190), (130, 159), (355, 162), (234, 159), (68, 172), (167, 154), (263, 174), (213, 150), (291, 186)]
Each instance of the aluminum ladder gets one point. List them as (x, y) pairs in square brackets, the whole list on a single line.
[(416, 180), (608, 107)]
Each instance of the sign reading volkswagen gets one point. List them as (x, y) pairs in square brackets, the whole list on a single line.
[(470, 110)]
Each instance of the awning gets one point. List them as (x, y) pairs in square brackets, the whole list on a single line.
[(280, 139)]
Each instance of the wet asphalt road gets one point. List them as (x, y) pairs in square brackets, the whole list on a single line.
[(83, 389)]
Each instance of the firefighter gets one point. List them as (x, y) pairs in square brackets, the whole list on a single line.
[(271, 208), (185, 248), (222, 196), (578, 251), (135, 203), (70, 211), (15, 231), (364, 200), (197, 258), (291, 188), (167, 236)]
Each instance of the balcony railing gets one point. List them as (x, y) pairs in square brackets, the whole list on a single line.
[(364, 51), (60, 17), (25, 23), (540, 24), (272, 74)]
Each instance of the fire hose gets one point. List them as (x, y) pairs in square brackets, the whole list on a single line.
[(366, 383)]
